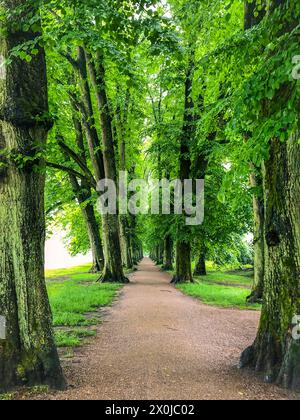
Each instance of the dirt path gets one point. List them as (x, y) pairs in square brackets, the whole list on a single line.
[(156, 343)]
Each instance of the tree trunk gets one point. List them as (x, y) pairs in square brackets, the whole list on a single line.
[(200, 269), (125, 231), (83, 195), (28, 354), (88, 117), (113, 271), (95, 238), (168, 253), (183, 249), (125, 242), (259, 243), (275, 351), (183, 263)]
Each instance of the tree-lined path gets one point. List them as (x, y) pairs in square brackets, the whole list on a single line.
[(156, 343)]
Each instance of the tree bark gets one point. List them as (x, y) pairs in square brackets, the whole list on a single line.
[(83, 195), (183, 264), (95, 239), (113, 271), (125, 242), (125, 231), (200, 269), (88, 117), (275, 352), (28, 354), (168, 253)]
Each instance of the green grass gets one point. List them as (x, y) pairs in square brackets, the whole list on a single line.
[(62, 272), (226, 278), (72, 338), (216, 295), (73, 294)]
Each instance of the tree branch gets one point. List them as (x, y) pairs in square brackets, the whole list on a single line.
[(77, 159), (71, 172)]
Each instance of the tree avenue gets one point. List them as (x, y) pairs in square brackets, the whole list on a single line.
[(169, 90)]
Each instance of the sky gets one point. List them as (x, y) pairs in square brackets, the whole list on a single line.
[(56, 256)]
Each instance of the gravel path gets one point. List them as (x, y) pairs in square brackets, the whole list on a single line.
[(156, 343)]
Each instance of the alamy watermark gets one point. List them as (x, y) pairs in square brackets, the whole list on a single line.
[(296, 69), (2, 68), (153, 197), (296, 327), (2, 328)]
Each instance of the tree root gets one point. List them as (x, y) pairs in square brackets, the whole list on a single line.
[(111, 279), (167, 267), (255, 297), (289, 375), (178, 280), (263, 356)]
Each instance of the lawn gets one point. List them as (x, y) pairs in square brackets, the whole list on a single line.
[(229, 278), (219, 295), (226, 289), (75, 298)]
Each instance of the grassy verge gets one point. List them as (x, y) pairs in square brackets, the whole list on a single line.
[(223, 289), (74, 299), (217, 295), (228, 279)]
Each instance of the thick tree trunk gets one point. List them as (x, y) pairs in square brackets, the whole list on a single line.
[(259, 243), (113, 271), (168, 253), (183, 264), (28, 354), (275, 351)]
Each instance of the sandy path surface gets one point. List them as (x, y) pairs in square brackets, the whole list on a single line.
[(156, 343)]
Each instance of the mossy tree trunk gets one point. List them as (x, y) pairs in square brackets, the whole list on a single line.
[(275, 352), (28, 354)]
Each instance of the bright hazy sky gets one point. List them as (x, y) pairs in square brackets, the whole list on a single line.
[(58, 257)]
